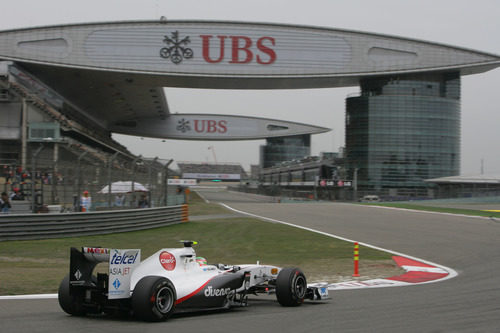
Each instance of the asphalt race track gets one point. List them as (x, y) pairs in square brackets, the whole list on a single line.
[(469, 302)]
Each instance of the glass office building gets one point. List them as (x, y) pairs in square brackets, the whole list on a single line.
[(286, 148), (402, 130)]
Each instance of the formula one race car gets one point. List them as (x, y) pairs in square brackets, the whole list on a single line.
[(172, 280)]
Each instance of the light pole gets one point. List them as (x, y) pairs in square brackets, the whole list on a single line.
[(33, 178), (150, 180), (165, 183), (134, 164), (110, 163), (355, 184)]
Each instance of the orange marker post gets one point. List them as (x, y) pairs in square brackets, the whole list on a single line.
[(356, 259)]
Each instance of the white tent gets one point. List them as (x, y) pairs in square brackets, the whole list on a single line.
[(124, 187)]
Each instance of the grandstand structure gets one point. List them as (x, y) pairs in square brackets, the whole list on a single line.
[(50, 151), (212, 171)]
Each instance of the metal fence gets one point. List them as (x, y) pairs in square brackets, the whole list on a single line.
[(42, 226), (53, 176)]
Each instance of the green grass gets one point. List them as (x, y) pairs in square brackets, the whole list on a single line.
[(38, 266), (473, 212)]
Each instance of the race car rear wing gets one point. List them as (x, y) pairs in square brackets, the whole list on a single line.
[(82, 264), (121, 264)]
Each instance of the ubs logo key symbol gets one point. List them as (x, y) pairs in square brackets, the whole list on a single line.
[(176, 49), (183, 125)]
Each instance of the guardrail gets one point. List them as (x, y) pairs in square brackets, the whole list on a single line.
[(42, 226)]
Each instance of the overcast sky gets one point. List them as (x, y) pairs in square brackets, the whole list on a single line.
[(465, 23)]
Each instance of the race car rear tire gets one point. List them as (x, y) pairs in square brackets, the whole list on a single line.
[(70, 303), (154, 298), (291, 287)]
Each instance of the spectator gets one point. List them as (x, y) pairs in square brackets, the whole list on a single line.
[(4, 203), (119, 200), (17, 194), (85, 201), (143, 201), (6, 173)]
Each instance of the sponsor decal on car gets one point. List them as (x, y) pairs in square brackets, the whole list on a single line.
[(125, 258), (167, 260), (121, 265), (216, 292), (117, 284), (96, 250)]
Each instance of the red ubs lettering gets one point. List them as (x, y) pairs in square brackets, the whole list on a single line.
[(210, 126), (241, 50)]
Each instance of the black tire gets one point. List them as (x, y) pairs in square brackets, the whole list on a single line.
[(154, 298), (71, 304), (291, 287)]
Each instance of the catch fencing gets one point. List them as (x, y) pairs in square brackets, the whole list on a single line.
[(56, 174), (42, 226)]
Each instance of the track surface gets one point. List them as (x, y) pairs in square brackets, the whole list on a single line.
[(467, 303)]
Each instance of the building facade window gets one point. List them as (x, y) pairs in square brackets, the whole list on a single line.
[(402, 130), (281, 149)]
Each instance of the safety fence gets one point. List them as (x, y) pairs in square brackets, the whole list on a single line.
[(42, 226), (63, 173)]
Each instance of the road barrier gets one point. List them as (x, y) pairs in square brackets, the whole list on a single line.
[(42, 226)]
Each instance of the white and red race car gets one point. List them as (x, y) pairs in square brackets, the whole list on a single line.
[(172, 280)]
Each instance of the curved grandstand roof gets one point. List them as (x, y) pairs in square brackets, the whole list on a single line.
[(115, 71), (475, 179)]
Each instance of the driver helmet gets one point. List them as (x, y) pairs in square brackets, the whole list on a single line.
[(201, 261)]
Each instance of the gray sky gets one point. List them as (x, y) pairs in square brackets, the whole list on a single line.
[(470, 24)]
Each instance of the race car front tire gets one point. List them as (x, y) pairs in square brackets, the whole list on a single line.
[(291, 287), (70, 303), (154, 298)]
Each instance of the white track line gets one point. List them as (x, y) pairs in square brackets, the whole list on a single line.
[(39, 296), (451, 272), (202, 196)]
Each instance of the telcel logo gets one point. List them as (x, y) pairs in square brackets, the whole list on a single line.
[(126, 258), (167, 260)]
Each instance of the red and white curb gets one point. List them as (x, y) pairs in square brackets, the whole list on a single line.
[(416, 273)]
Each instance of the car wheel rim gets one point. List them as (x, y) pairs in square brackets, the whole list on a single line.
[(300, 286), (164, 300)]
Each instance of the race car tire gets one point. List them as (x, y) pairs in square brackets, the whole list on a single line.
[(291, 287), (70, 303), (154, 298)]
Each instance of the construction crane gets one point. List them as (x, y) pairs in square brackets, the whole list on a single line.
[(212, 148)]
